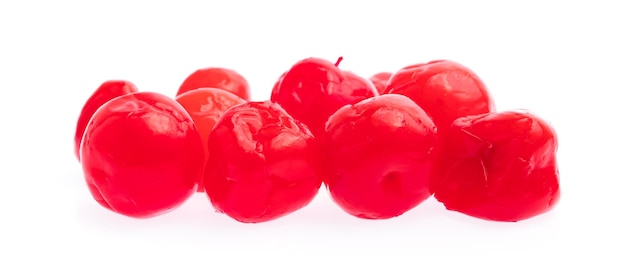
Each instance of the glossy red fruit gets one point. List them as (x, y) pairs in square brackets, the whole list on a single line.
[(141, 155), (498, 166), (313, 89), (206, 106), (355, 83), (263, 163), (217, 77), (446, 90), (107, 91), (379, 154), (380, 81)]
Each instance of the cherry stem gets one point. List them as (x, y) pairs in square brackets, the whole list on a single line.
[(338, 61)]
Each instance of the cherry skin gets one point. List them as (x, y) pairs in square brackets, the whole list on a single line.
[(446, 90), (380, 81), (141, 155), (216, 77), (107, 91), (313, 89), (263, 164), (498, 166), (356, 83), (379, 156), (206, 106), (354, 80)]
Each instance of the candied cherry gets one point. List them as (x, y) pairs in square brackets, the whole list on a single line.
[(217, 77), (380, 81), (141, 154), (446, 90), (206, 106), (107, 91), (379, 156), (498, 166), (263, 163), (313, 89)]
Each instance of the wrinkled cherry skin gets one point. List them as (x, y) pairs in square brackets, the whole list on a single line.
[(380, 81), (141, 155), (446, 90), (498, 166), (313, 89), (216, 77), (263, 164), (206, 106), (379, 154), (107, 91)]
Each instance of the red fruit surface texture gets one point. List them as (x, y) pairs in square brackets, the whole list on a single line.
[(107, 91), (446, 90), (380, 81), (141, 155), (379, 155), (498, 166), (263, 164), (206, 106), (313, 89), (217, 77)]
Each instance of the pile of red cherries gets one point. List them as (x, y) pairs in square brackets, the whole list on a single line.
[(381, 146)]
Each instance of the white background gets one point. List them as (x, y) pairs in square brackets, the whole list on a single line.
[(562, 60)]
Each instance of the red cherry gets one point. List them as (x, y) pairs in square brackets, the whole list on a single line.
[(313, 89), (360, 86), (107, 91), (498, 166), (380, 81), (141, 155), (446, 90), (263, 163), (379, 154), (206, 106), (216, 77)]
